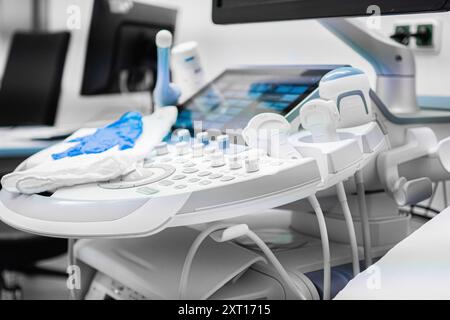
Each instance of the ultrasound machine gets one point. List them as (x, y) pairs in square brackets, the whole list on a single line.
[(277, 182)]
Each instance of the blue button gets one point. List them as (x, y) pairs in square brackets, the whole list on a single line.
[(223, 142)]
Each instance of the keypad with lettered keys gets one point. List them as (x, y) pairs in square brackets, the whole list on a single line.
[(190, 165)]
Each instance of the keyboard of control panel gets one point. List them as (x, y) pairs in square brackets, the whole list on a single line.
[(193, 163)]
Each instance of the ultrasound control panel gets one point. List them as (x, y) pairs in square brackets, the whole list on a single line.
[(204, 174)]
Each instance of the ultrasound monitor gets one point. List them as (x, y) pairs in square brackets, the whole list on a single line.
[(238, 94)]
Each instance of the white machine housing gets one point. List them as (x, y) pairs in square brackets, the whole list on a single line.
[(175, 186)]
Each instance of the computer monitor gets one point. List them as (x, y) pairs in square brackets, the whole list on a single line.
[(241, 11), (121, 51), (31, 84)]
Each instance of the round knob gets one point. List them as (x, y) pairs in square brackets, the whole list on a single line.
[(251, 165), (197, 150), (202, 137), (182, 148), (183, 135), (162, 149), (223, 142), (217, 159), (235, 162)]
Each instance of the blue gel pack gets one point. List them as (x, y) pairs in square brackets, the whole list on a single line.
[(123, 133)]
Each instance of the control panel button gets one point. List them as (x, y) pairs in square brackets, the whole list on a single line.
[(197, 150), (235, 162), (147, 191), (179, 177), (204, 182), (217, 159), (166, 183), (193, 180), (111, 186), (162, 149), (190, 170), (223, 142), (182, 148), (202, 137), (204, 173), (181, 186), (215, 176), (227, 178), (251, 165), (183, 135), (189, 165)]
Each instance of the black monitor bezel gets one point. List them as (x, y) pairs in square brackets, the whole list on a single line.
[(301, 9)]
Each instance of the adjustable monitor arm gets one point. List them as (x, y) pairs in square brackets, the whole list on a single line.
[(394, 64)]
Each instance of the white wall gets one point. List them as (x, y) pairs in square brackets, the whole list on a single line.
[(433, 70), (73, 108), (286, 42), (294, 42), (13, 15), (298, 42)]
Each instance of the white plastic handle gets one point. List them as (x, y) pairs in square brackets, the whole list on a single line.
[(413, 191), (442, 152)]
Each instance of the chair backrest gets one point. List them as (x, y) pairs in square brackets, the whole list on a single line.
[(31, 83)]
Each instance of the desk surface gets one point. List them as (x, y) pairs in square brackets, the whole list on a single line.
[(22, 148), (13, 152), (26, 141)]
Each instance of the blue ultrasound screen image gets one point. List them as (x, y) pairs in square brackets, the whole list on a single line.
[(231, 100)]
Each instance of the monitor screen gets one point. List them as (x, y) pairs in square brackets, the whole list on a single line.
[(237, 95), (121, 50), (241, 11)]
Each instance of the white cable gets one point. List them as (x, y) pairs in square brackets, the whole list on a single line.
[(350, 227), (257, 240), (325, 247), (430, 202), (365, 225), (444, 189), (276, 264), (191, 254)]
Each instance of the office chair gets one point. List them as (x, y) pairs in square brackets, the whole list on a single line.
[(20, 252), (29, 95), (31, 83)]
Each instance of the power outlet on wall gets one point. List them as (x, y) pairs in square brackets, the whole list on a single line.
[(421, 35)]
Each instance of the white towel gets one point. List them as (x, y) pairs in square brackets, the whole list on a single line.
[(92, 155)]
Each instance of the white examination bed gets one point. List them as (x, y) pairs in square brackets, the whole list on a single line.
[(416, 268)]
